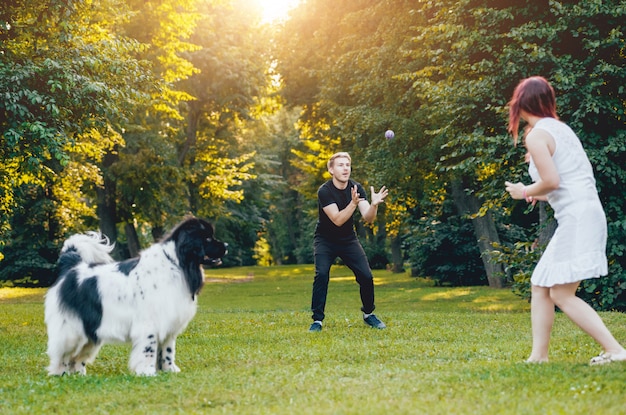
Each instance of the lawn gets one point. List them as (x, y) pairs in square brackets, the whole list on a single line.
[(248, 351)]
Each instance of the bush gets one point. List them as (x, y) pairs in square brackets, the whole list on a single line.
[(606, 293), (603, 294), (446, 251), (518, 260), (376, 254), (27, 266)]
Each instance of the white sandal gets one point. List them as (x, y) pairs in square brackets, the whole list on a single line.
[(604, 358)]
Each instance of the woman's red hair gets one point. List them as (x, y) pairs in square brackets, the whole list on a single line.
[(535, 96)]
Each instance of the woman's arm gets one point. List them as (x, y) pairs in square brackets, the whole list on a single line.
[(541, 146)]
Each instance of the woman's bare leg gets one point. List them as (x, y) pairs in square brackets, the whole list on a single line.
[(542, 319), (585, 317)]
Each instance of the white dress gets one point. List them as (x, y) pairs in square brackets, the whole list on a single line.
[(577, 251)]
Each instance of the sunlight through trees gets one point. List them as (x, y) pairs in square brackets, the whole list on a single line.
[(125, 115)]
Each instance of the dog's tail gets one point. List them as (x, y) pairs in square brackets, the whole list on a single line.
[(92, 248)]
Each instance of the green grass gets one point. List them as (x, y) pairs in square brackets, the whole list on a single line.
[(445, 351)]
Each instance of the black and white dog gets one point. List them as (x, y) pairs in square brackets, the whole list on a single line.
[(148, 300)]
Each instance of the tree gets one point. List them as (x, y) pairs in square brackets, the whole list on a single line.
[(219, 154), (142, 185), (479, 51), (181, 152), (456, 64), (56, 69), (93, 119), (579, 47), (340, 63)]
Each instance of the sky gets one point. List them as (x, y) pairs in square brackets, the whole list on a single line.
[(276, 9)]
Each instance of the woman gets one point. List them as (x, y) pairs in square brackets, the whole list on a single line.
[(562, 175)]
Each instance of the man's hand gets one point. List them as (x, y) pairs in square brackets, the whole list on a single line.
[(355, 196), (378, 198)]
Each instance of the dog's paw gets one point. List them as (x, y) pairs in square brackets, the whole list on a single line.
[(80, 368), (148, 375), (146, 370), (59, 369), (171, 368)]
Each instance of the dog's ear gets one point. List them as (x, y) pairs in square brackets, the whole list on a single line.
[(187, 225), (207, 227), (190, 253)]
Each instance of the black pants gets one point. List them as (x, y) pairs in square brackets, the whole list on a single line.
[(353, 256)]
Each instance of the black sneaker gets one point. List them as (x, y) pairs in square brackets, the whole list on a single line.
[(316, 326), (374, 322)]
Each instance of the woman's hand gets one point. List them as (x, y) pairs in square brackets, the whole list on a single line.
[(516, 190)]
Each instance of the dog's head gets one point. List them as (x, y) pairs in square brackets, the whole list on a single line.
[(196, 244)]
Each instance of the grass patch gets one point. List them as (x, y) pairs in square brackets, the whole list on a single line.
[(445, 351)]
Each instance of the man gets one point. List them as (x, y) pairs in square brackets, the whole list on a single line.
[(335, 237)]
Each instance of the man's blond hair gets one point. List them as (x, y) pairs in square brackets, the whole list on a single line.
[(341, 154)]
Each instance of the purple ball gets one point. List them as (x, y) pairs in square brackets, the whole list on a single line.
[(389, 134)]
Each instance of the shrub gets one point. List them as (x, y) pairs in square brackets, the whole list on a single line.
[(446, 251)]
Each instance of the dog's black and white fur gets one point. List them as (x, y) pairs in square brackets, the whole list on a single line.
[(148, 300)]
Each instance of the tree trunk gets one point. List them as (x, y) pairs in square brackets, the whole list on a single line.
[(484, 229), (132, 239), (51, 214), (547, 225), (191, 134), (397, 261), (157, 232), (107, 204), (381, 226)]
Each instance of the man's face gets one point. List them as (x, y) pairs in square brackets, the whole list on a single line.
[(340, 170)]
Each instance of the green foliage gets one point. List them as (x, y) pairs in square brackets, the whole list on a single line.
[(29, 260), (606, 293), (477, 52), (587, 70), (65, 79), (167, 107), (94, 114), (441, 76), (339, 63), (520, 259), (377, 255), (443, 250)]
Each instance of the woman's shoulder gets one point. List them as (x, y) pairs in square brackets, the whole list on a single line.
[(548, 121), (555, 127)]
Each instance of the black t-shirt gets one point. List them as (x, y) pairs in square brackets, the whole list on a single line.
[(328, 194)]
